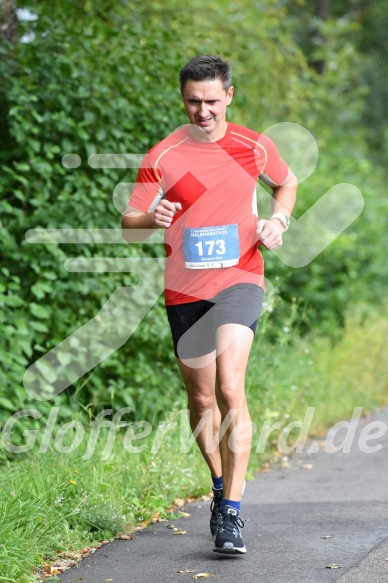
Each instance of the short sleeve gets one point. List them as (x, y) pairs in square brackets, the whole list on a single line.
[(148, 189), (275, 169)]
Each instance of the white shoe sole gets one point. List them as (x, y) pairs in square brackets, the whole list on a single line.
[(229, 549)]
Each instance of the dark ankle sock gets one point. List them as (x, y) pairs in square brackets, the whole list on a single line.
[(233, 503), (217, 483)]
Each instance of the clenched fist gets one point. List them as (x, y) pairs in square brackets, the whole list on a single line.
[(164, 213), (270, 233)]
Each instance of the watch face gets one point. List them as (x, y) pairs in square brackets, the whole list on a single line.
[(284, 219)]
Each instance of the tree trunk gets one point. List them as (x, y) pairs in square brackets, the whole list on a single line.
[(8, 21), (322, 10)]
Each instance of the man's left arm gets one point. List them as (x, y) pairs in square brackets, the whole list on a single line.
[(271, 230)]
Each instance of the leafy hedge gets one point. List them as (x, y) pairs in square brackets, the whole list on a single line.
[(59, 102), (102, 77)]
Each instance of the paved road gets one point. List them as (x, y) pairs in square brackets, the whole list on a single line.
[(287, 511)]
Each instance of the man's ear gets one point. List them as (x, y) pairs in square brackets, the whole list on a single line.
[(229, 95)]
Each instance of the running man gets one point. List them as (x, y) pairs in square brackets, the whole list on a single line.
[(199, 185)]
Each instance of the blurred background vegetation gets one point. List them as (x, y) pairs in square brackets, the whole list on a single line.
[(85, 77)]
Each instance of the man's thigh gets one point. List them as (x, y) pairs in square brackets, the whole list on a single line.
[(238, 304), (194, 325), (192, 329)]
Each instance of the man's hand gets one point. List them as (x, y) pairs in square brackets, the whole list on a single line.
[(270, 233), (164, 213)]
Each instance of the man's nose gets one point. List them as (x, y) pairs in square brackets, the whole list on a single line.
[(203, 110)]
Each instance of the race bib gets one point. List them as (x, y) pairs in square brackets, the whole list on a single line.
[(211, 247)]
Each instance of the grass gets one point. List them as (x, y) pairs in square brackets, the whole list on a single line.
[(55, 502), (334, 377)]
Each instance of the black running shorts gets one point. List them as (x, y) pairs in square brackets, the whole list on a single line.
[(193, 325)]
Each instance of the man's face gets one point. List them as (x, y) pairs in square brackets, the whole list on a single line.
[(205, 103)]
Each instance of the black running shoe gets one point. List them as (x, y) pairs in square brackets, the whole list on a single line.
[(228, 535), (215, 509)]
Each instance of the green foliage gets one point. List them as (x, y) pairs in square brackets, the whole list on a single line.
[(60, 102), (365, 25), (96, 78), (102, 77), (55, 501), (297, 372)]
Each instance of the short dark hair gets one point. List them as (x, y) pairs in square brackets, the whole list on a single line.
[(204, 68)]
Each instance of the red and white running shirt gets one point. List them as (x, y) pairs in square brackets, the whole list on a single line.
[(215, 182)]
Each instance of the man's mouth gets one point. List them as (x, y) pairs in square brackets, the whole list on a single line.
[(204, 121)]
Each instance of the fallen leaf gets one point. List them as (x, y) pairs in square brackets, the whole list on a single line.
[(180, 532), (183, 514), (108, 579), (58, 567), (333, 566), (186, 571), (386, 560), (124, 537), (201, 576), (307, 466), (170, 526), (179, 502), (327, 536)]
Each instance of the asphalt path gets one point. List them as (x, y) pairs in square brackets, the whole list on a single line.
[(317, 509)]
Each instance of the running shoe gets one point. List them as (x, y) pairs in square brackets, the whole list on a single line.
[(228, 535), (215, 509)]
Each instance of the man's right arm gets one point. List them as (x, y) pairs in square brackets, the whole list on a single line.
[(135, 219), (161, 218)]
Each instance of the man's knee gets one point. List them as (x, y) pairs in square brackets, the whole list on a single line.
[(231, 395), (200, 401)]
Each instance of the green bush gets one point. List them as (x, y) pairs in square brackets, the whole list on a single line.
[(102, 78)]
